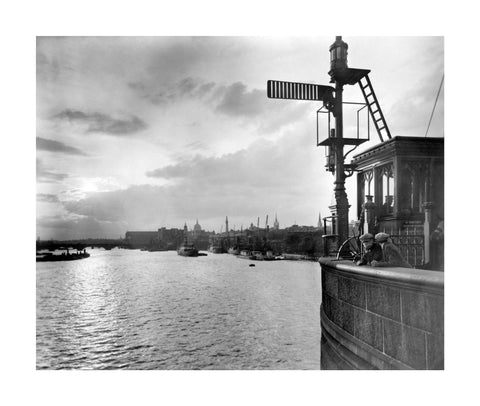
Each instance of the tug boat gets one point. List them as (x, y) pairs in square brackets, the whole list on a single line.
[(187, 250)]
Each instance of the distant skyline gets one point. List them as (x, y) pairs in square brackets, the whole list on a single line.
[(140, 133)]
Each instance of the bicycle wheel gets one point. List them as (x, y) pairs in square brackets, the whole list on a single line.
[(350, 249)]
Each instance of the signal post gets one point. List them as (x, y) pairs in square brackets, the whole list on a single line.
[(332, 98)]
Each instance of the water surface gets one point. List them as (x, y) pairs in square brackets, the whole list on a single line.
[(157, 310)]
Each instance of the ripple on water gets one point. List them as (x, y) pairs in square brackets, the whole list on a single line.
[(124, 309)]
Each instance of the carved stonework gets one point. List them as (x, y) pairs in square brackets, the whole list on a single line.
[(387, 171), (367, 180)]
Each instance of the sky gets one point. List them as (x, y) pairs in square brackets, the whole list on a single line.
[(138, 133)]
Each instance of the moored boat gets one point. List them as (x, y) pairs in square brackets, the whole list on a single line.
[(187, 250), (245, 254), (269, 256), (234, 251), (257, 255), (216, 249), (64, 256)]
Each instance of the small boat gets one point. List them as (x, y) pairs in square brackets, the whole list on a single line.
[(187, 250), (234, 251), (252, 255), (245, 254), (269, 256), (216, 249), (257, 255)]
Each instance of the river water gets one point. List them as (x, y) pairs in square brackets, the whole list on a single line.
[(130, 309)]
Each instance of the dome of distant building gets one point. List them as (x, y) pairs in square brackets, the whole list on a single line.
[(197, 227)]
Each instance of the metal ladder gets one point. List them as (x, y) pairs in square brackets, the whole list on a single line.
[(374, 108)]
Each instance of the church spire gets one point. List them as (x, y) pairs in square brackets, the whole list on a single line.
[(276, 225), (319, 224)]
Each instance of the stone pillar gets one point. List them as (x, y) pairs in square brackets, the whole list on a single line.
[(427, 229), (369, 210)]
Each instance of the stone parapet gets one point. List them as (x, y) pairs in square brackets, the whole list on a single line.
[(381, 318)]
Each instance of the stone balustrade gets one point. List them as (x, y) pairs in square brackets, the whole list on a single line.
[(381, 318)]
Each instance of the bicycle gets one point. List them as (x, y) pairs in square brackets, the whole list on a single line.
[(350, 249)]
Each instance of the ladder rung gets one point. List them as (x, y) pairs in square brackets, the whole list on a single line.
[(373, 104)]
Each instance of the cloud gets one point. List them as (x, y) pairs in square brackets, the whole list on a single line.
[(417, 105), (253, 106), (103, 123), (180, 170), (183, 89), (172, 56), (44, 175), (232, 100), (48, 198), (103, 206), (196, 145), (257, 166), (237, 101), (80, 227), (139, 206), (49, 68), (44, 144)]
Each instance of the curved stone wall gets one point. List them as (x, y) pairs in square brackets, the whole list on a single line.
[(381, 318)]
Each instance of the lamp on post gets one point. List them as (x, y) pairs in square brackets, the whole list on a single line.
[(338, 56)]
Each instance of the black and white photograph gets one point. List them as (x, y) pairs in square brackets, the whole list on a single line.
[(246, 214), (197, 211)]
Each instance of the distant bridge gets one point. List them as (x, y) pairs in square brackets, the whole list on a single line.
[(80, 245)]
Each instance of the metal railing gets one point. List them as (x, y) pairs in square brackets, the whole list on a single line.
[(411, 242)]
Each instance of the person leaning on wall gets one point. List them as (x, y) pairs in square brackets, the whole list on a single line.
[(391, 254), (437, 248), (372, 250)]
